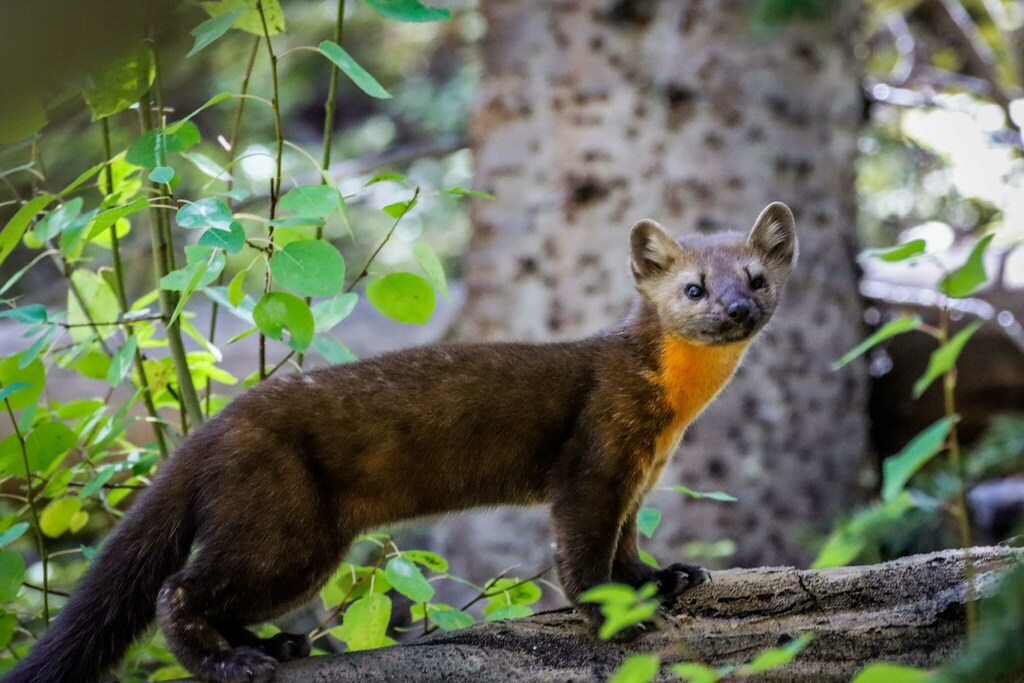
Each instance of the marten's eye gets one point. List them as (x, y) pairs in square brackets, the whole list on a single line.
[(694, 291), (757, 282)]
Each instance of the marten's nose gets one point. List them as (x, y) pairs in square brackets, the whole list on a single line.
[(738, 311)]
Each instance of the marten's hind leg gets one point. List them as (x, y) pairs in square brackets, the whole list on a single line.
[(284, 647), (202, 608)]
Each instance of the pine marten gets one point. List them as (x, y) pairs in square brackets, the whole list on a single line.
[(271, 491)]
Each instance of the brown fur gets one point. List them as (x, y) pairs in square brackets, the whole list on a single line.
[(275, 487)]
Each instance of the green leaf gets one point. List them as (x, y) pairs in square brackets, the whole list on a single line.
[(102, 221), (712, 495), (775, 657), (509, 612), (884, 672), (969, 277), (277, 311), (432, 267), (407, 579), (12, 573), (162, 174), (409, 10), (886, 331), (328, 313), (231, 240), (11, 388), (33, 375), (637, 669), (900, 252), (452, 619), (99, 300), (333, 351), (647, 520), (310, 200), (56, 518), (208, 212), (399, 209), (210, 168), (47, 444), (382, 177), (15, 228), (366, 623), (512, 592), (463, 192), (250, 20), (122, 362), (898, 469), (96, 484), (212, 29), (430, 560), (13, 534), (58, 220), (152, 147), (235, 291), (367, 83), (944, 358), (8, 622), (404, 297), (696, 673), (309, 267), (121, 84)]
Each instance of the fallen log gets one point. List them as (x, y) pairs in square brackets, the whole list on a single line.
[(909, 611)]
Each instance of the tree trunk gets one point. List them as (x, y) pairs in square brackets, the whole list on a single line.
[(592, 115), (908, 611)]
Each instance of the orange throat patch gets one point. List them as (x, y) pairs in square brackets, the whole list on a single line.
[(691, 376)]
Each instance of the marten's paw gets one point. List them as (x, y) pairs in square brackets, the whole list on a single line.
[(245, 665), (284, 647), (676, 578)]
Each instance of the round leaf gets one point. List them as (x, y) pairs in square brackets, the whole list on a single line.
[(56, 518), (310, 200), (208, 212), (47, 443), (309, 267), (404, 297), (277, 311), (32, 375)]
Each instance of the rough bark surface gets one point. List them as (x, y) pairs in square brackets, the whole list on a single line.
[(908, 611), (592, 115)]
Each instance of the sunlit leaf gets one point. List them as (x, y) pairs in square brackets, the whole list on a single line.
[(404, 297), (56, 517), (15, 228), (309, 267), (710, 495), (407, 579), (250, 20), (900, 252), (366, 623), (884, 672), (637, 669), (279, 311), (775, 657)]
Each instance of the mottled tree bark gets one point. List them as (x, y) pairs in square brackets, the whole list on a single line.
[(592, 115), (908, 611)]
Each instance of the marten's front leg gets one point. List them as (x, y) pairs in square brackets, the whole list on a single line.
[(627, 566)]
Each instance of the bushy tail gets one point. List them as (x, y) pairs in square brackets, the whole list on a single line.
[(115, 600)]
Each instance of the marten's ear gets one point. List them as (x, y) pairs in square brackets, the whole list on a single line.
[(774, 234), (652, 250)]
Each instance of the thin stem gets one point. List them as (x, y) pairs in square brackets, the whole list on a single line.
[(232, 154), (275, 183), (31, 497), (330, 107), (115, 248), (366, 268), (958, 464), (484, 594), (162, 247)]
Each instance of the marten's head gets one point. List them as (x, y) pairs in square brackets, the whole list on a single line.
[(715, 289)]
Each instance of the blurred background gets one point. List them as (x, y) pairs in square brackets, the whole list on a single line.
[(878, 122)]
